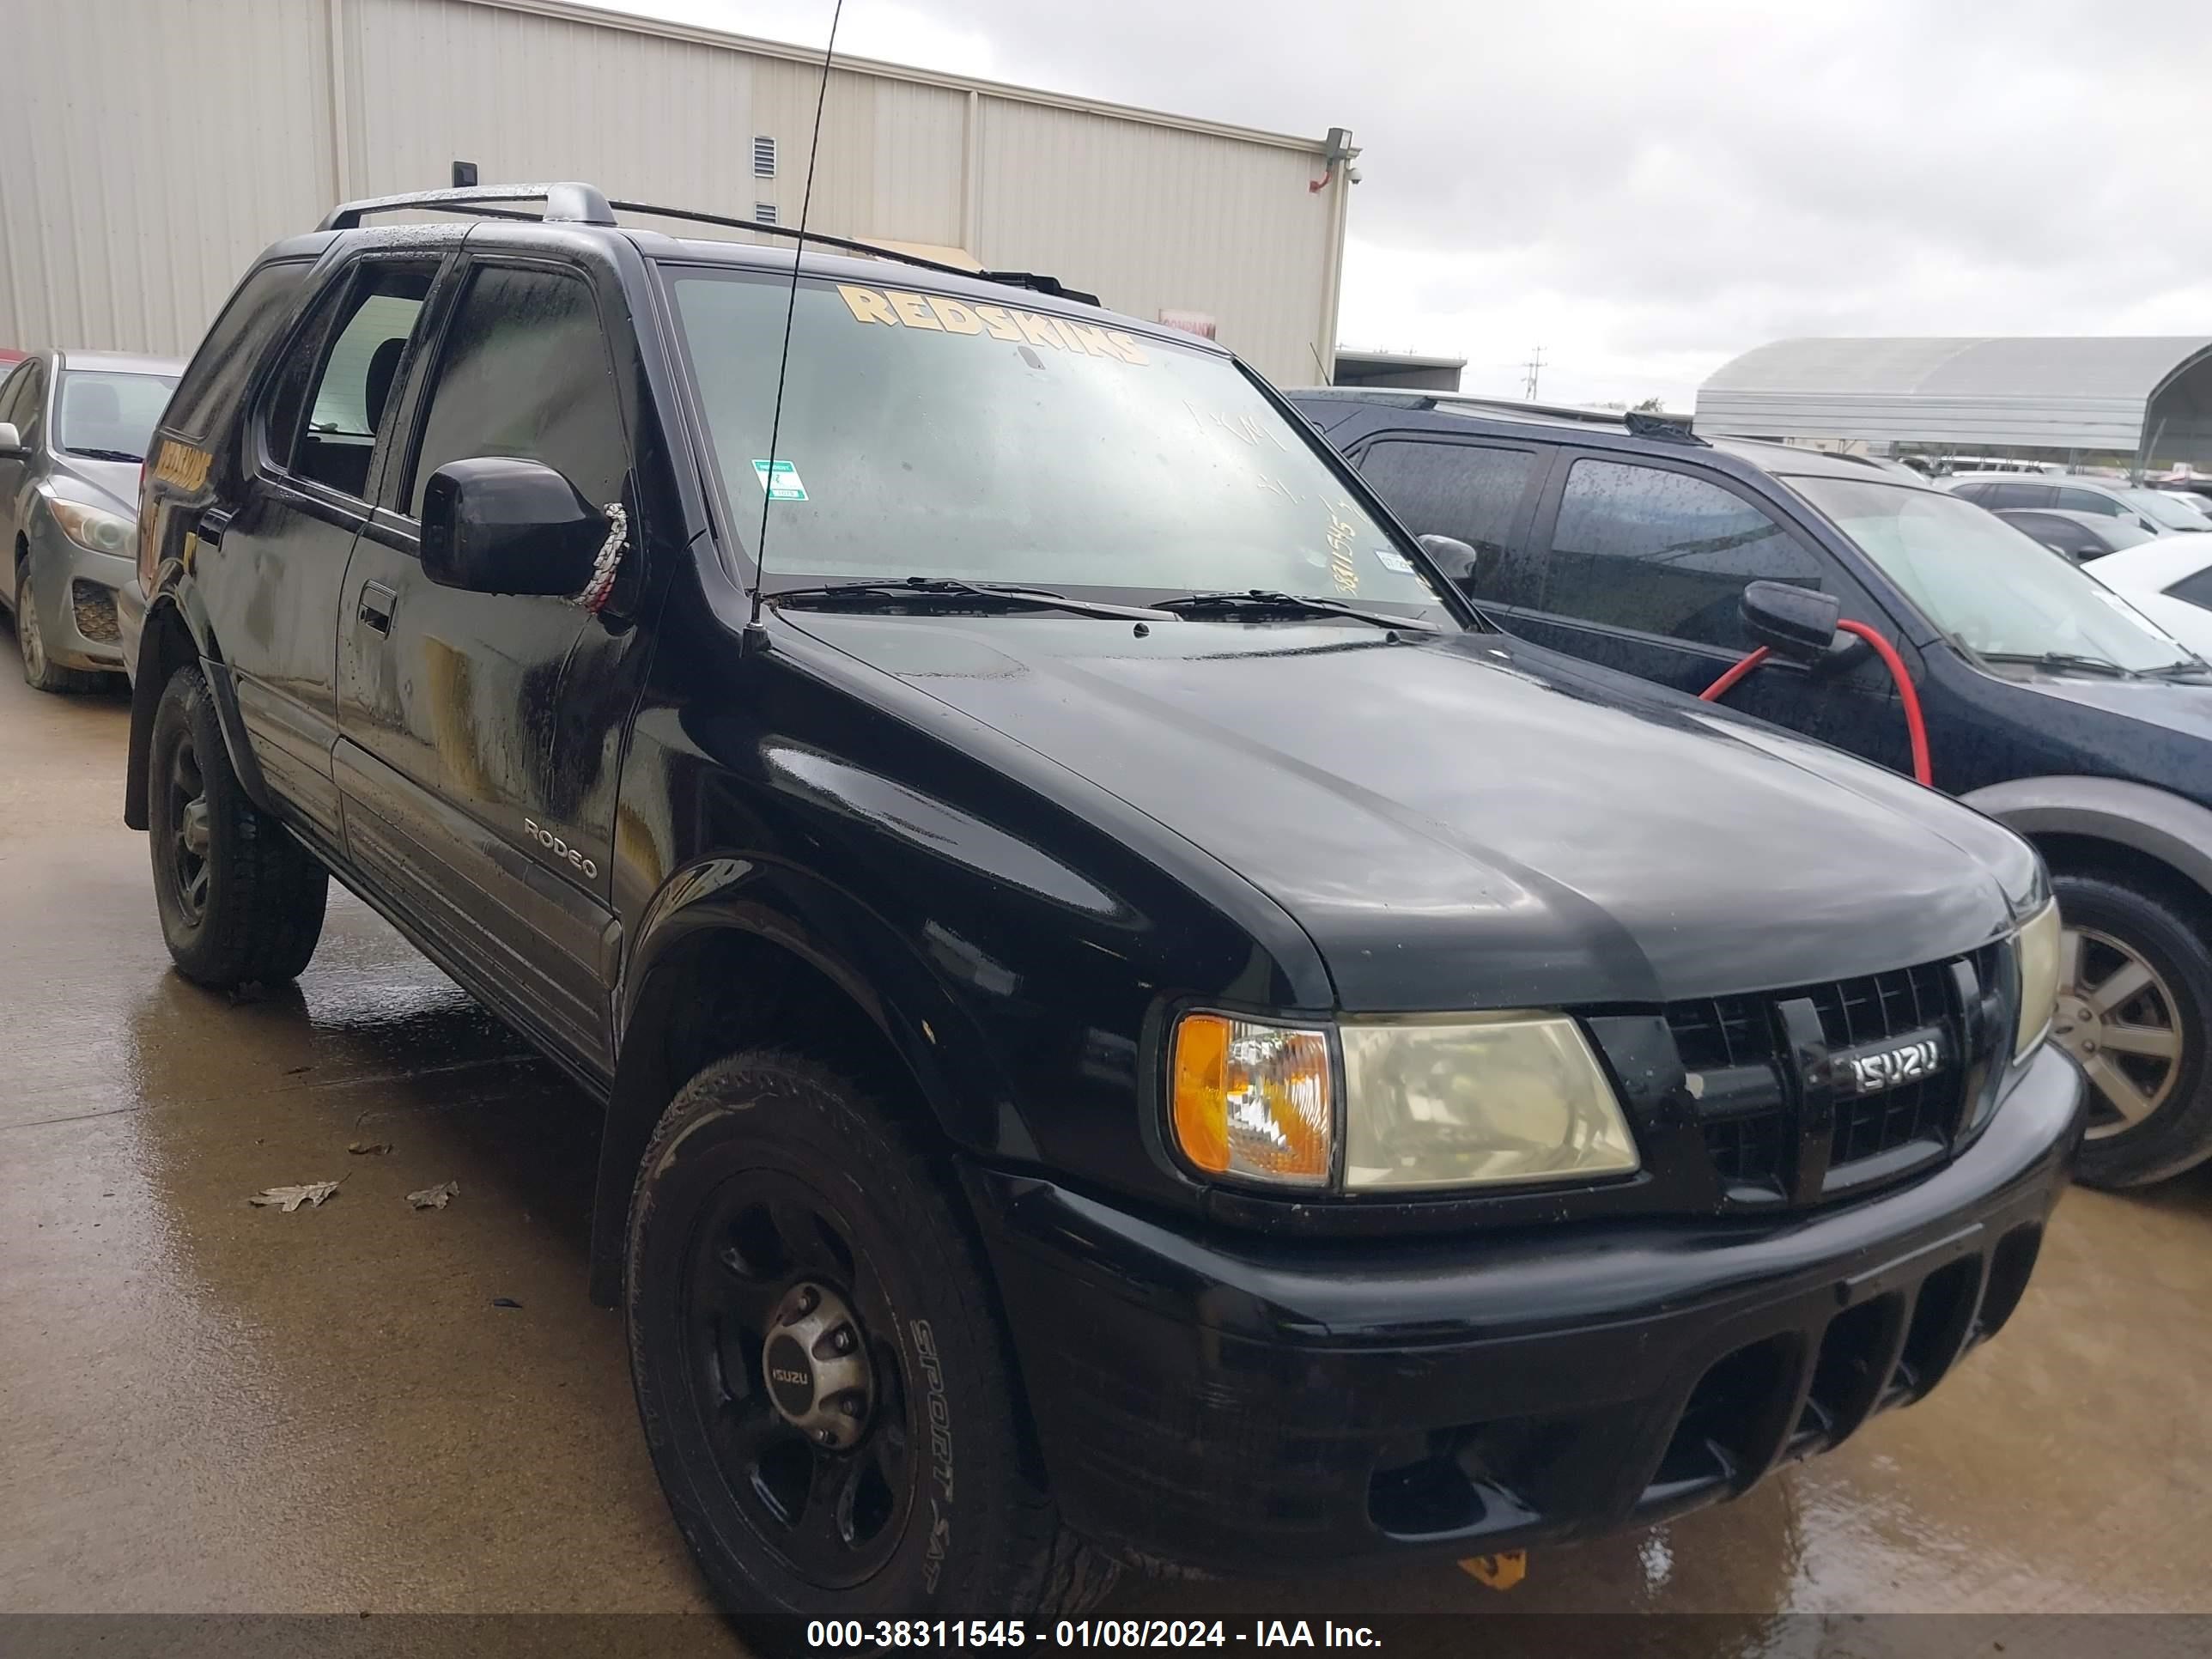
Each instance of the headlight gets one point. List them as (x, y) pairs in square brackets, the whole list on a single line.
[(1472, 1099), (1254, 1101), (2036, 947), (90, 528)]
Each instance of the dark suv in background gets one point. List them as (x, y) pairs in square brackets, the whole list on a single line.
[(2051, 704)]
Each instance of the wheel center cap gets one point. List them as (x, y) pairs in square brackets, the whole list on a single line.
[(816, 1364)]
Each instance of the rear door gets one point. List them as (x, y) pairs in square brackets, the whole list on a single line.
[(480, 731), (1644, 565), (270, 567), (1483, 491)]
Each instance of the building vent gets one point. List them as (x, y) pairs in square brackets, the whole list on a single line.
[(763, 213), (763, 158)]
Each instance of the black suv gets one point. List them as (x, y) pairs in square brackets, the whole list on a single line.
[(2050, 703), (1134, 1026)]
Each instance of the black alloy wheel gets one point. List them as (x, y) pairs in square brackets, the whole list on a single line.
[(805, 1405)]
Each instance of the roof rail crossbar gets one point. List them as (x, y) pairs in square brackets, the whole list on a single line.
[(565, 203), (1030, 280)]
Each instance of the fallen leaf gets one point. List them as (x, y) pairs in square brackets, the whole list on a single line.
[(505, 1301), (288, 1198), (435, 1198), (369, 1148)]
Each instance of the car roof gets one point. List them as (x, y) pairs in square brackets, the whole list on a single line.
[(2156, 564), (666, 249), (119, 362), (2072, 515), (1607, 429), (2063, 480)]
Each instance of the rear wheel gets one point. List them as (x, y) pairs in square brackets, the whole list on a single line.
[(2135, 1006), (816, 1354), (241, 900)]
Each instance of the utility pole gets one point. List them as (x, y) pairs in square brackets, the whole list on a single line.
[(1534, 366)]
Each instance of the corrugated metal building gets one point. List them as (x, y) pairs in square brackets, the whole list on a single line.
[(2146, 397), (154, 147)]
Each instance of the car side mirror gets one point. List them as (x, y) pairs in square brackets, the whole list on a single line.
[(1463, 564), (12, 447), (1797, 624), (496, 525)]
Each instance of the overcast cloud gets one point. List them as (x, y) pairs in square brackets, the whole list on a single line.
[(1647, 190)]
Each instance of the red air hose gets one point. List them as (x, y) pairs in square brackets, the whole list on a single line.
[(1916, 723)]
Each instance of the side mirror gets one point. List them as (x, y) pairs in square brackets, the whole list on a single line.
[(11, 443), (1461, 563), (499, 525), (1797, 624)]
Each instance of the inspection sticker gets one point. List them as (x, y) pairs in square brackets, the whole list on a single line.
[(781, 480), (1391, 559)]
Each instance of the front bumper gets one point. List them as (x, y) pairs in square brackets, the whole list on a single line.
[(1246, 1406), (75, 590)]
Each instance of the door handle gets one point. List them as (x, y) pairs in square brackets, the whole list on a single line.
[(376, 609)]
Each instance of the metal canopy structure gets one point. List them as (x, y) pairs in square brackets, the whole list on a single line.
[(2148, 397)]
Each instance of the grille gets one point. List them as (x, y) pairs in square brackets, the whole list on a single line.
[(1751, 1102), (95, 606)]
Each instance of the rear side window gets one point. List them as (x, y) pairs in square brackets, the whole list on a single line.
[(1664, 552), (1469, 490), (2195, 588), (337, 384), (2089, 500), (1996, 495), (241, 332), (524, 372)]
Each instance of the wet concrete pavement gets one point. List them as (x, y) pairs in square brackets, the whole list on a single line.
[(209, 1406)]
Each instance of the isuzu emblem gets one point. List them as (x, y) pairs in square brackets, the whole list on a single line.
[(1885, 1068)]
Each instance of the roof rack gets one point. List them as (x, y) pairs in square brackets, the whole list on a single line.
[(1639, 422), (578, 204), (1028, 279), (565, 203)]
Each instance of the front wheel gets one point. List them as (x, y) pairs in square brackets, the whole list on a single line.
[(40, 672), (825, 1389), (241, 900), (2135, 1007)]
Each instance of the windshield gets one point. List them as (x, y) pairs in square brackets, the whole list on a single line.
[(1997, 592), (2165, 509), (108, 415), (924, 435)]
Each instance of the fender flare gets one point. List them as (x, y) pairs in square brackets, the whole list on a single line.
[(2159, 825), (780, 908), (166, 643)]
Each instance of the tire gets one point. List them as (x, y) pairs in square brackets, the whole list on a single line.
[(240, 901), (2144, 1049), (771, 1193), (40, 672)]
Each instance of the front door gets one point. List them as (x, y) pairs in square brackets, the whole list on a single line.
[(312, 449), (479, 731), (1644, 570)]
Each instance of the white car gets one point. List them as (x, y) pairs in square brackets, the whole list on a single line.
[(2153, 510), (2169, 580)]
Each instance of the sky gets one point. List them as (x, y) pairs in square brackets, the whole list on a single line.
[(1643, 191)]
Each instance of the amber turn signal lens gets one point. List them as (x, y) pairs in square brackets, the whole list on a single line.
[(1253, 1101)]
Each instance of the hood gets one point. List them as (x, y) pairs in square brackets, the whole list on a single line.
[(1471, 822), (111, 485)]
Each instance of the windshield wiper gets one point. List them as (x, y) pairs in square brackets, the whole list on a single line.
[(1287, 605), (2063, 660), (106, 455), (896, 590)]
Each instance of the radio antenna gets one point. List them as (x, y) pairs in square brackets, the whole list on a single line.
[(790, 311)]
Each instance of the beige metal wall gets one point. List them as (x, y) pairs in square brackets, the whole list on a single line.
[(123, 225)]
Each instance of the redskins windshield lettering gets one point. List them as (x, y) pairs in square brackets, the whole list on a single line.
[(935, 313)]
